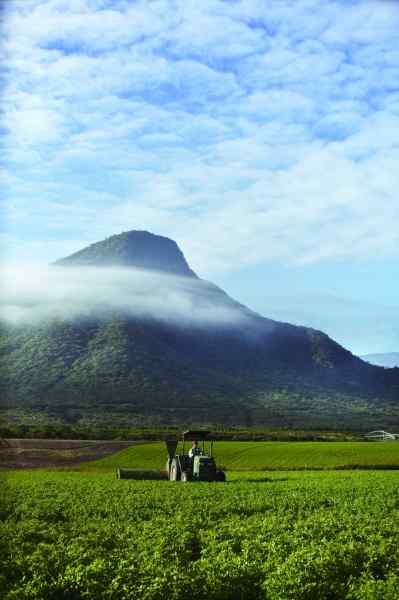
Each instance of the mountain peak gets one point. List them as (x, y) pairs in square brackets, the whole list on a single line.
[(139, 249)]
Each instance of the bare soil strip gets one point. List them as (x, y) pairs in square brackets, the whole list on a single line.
[(31, 453)]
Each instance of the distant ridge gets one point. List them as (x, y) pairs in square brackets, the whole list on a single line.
[(383, 359), (140, 249)]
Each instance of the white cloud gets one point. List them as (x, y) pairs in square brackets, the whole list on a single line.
[(270, 132), (211, 35), (84, 25)]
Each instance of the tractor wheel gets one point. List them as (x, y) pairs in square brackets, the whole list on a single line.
[(220, 476), (185, 476), (174, 472)]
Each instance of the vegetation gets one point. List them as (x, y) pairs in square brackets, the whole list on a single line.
[(262, 456), (147, 374), (299, 536), (248, 372), (32, 424)]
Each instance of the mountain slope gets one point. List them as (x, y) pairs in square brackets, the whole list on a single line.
[(209, 360)]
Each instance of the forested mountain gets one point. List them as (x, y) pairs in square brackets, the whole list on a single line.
[(165, 347)]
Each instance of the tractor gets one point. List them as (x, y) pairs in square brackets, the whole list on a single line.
[(200, 467)]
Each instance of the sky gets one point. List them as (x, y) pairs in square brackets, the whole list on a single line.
[(262, 136)]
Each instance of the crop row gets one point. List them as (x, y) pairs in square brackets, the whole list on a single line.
[(271, 536)]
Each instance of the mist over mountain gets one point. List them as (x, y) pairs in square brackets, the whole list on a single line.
[(125, 327), (37, 295)]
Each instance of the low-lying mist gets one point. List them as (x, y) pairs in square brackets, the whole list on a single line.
[(31, 295)]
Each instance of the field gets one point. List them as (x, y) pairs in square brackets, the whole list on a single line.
[(254, 456), (25, 453), (295, 520), (276, 536), (29, 453)]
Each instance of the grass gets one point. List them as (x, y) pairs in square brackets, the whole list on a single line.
[(260, 456)]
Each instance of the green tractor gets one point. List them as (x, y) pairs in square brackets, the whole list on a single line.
[(196, 464)]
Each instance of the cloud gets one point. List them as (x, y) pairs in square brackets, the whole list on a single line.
[(32, 295), (269, 131)]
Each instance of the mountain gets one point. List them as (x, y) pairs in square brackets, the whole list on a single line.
[(387, 359), (140, 337), (139, 249)]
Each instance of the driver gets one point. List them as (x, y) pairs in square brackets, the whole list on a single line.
[(195, 450)]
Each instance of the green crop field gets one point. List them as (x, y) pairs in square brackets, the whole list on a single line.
[(272, 536), (270, 455), (276, 530)]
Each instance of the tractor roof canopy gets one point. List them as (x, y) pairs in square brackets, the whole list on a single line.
[(192, 434)]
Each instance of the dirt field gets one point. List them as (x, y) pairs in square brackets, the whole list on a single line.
[(31, 453)]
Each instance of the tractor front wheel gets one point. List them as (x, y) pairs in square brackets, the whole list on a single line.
[(174, 472), (185, 476)]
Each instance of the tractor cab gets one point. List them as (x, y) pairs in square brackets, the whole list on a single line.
[(198, 465)]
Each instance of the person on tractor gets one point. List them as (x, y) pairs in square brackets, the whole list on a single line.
[(195, 450)]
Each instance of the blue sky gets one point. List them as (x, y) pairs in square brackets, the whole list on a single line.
[(262, 136)]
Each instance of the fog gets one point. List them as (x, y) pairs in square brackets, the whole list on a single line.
[(32, 294)]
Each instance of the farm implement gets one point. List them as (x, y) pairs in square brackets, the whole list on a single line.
[(194, 464)]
